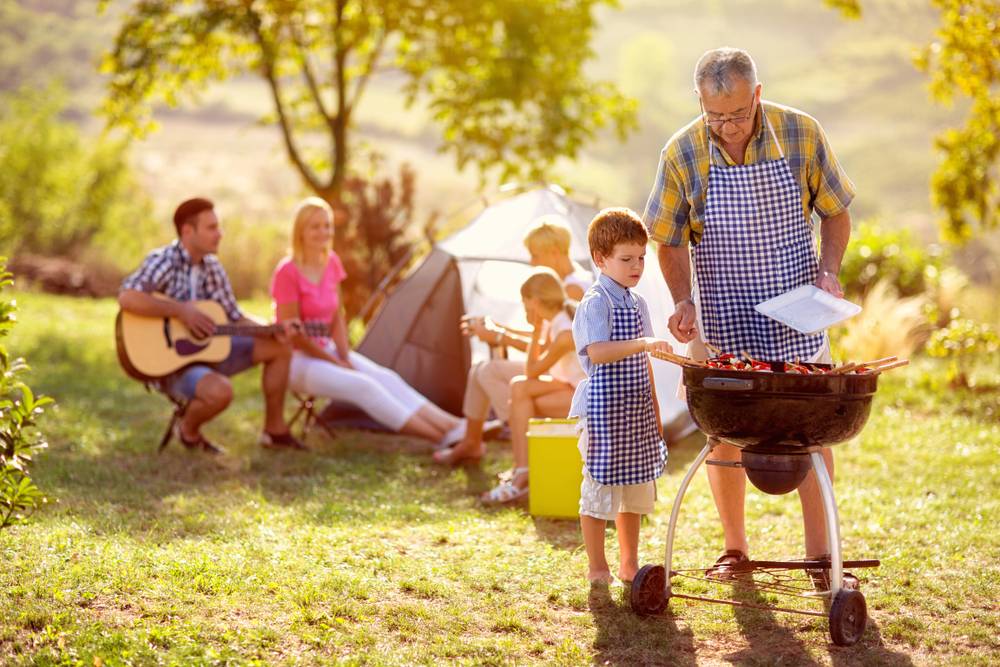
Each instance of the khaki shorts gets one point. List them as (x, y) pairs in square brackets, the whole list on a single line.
[(605, 501)]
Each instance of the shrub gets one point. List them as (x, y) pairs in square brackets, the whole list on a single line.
[(962, 341), (61, 194), (19, 438), (887, 325), (894, 256)]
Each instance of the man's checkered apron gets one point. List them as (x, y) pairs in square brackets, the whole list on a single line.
[(625, 443), (756, 245)]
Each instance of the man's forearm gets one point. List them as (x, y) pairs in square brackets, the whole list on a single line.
[(835, 232), (675, 265), (142, 303)]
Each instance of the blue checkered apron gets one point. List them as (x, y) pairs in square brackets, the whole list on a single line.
[(625, 444), (757, 244)]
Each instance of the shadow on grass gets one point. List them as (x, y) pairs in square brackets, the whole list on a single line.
[(871, 650), (623, 638), (772, 642), (560, 533), (769, 641)]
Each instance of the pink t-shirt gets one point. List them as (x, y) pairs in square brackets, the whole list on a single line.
[(316, 301)]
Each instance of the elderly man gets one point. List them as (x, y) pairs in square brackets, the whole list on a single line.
[(739, 185)]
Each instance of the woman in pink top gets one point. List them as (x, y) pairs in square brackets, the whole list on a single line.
[(306, 286)]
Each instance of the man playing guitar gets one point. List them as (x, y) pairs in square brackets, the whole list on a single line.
[(188, 270)]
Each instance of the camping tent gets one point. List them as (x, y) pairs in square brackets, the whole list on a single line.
[(478, 270)]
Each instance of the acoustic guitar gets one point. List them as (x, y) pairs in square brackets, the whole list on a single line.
[(150, 348)]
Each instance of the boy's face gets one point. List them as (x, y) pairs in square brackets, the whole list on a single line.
[(625, 263)]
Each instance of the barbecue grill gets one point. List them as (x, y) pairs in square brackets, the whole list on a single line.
[(780, 421)]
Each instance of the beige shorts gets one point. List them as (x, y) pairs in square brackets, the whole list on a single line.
[(605, 501)]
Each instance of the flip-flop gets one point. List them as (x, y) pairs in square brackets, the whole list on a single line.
[(452, 457), (503, 493)]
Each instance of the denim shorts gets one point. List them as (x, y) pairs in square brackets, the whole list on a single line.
[(181, 385)]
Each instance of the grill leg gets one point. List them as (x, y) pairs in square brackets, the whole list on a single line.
[(832, 523), (668, 559)]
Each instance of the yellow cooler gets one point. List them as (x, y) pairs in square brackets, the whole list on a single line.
[(554, 468)]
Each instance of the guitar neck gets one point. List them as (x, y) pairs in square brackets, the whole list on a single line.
[(260, 330), (246, 330)]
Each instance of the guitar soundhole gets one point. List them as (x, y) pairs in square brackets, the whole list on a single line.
[(185, 347)]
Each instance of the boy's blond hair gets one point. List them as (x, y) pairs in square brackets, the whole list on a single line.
[(613, 226), (549, 232)]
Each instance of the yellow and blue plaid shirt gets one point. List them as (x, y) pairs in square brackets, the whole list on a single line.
[(676, 208)]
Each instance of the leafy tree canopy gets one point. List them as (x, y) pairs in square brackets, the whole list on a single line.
[(963, 61), (504, 79)]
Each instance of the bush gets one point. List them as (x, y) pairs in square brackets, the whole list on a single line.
[(894, 256), (962, 341), (60, 195), (19, 439)]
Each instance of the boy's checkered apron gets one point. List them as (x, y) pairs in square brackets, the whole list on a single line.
[(756, 245), (625, 445)]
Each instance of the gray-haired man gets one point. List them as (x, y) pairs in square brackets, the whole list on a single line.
[(736, 188)]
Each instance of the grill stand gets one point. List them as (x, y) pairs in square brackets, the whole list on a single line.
[(847, 615)]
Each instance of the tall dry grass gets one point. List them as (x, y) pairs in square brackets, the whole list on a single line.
[(887, 325)]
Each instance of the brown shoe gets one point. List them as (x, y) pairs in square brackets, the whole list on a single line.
[(281, 441), (200, 442), (821, 577), (728, 566)]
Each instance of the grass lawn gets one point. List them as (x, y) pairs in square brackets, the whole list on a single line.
[(362, 552)]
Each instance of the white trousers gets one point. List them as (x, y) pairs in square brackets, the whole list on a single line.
[(378, 391)]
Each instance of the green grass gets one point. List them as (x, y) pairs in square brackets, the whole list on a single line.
[(362, 552)]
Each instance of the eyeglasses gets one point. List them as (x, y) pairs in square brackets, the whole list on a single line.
[(716, 123)]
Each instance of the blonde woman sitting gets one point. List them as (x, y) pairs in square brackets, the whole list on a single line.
[(306, 286), (551, 373)]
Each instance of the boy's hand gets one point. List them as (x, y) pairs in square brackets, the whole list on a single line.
[(656, 345)]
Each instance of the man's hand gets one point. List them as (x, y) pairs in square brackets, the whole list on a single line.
[(197, 322), (827, 281), (683, 324), (651, 344)]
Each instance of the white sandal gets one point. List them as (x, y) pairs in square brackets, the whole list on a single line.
[(506, 492)]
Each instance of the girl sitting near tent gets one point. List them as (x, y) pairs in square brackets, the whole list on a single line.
[(551, 373), (548, 244), (305, 285)]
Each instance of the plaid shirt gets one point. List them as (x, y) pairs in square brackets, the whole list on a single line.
[(676, 208), (168, 270)]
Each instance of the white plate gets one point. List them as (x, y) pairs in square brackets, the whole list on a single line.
[(808, 309)]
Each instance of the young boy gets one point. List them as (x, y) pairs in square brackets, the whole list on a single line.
[(620, 437)]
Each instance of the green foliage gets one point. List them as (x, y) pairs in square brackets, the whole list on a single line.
[(851, 9), (893, 255), (59, 193), (504, 78), (19, 440), (961, 342), (965, 61)]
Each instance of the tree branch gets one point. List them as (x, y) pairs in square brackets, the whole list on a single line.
[(370, 68), (308, 74), (267, 56)]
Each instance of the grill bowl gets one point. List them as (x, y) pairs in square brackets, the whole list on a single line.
[(778, 412)]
